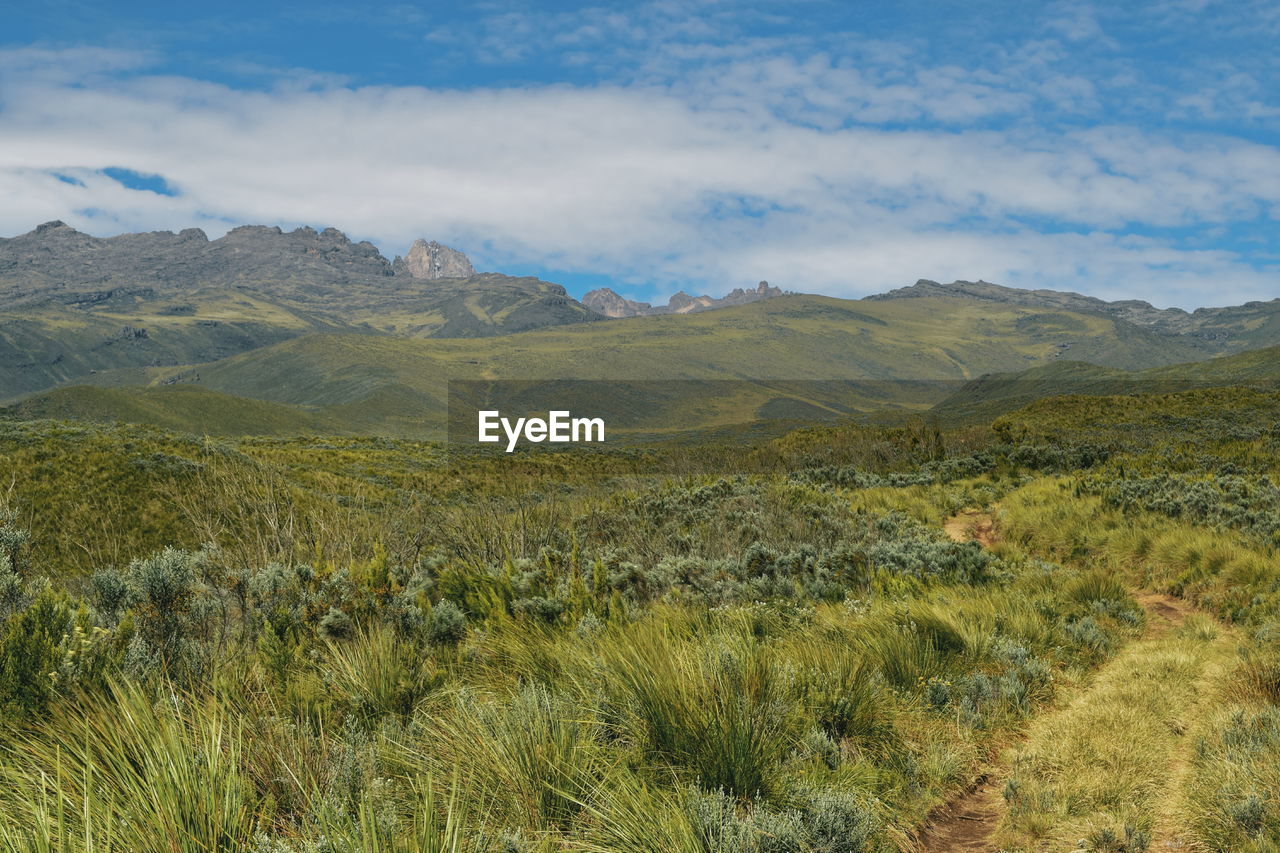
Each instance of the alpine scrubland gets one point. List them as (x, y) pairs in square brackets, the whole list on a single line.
[(817, 642)]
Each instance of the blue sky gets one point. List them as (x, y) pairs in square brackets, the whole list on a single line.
[(1123, 150)]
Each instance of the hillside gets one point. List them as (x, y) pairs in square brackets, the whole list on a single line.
[(994, 394), (180, 408), (792, 357), (1213, 331)]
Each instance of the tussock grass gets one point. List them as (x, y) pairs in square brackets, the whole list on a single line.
[(718, 711), (129, 772), (377, 674), (530, 762), (1234, 779)]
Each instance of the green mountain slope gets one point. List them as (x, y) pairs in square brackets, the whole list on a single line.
[(905, 354), (1211, 331), (181, 408), (72, 304), (995, 394), (44, 345)]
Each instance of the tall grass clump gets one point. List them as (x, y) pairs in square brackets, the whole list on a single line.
[(376, 674), (129, 771), (718, 711), (1232, 800), (528, 761)]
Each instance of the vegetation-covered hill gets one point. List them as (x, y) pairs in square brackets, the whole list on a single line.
[(1211, 331), (181, 408), (72, 304), (796, 357), (989, 396)]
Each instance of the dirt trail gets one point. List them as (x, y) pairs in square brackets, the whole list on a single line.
[(965, 823), (968, 821), (1164, 611), (972, 525)]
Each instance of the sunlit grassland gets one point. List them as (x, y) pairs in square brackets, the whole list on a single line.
[(370, 644), (1181, 738)]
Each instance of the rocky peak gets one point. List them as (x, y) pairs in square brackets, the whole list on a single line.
[(680, 301), (610, 304), (433, 260), (605, 301)]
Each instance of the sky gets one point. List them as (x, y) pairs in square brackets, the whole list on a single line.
[(1123, 150)]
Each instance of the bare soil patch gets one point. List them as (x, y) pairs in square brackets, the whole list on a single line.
[(966, 823), (1164, 611), (972, 525)]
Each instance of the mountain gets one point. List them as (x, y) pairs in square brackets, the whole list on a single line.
[(791, 357), (314, 320), (989, 396), (605, 301), (1213, 331), (72, 304)]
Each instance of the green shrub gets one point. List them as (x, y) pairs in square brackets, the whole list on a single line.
[(31, 649), (447, 624)]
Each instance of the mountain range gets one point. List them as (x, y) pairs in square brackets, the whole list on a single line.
[(606, 302), (72, 304), (264, 330)]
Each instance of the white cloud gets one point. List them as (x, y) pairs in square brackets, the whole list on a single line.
[(777, 170)]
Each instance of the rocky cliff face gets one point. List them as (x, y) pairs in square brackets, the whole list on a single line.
[(610, 304), (433, 260), (604, 301), (57, 263)]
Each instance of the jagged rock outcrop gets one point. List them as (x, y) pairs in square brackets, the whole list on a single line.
[(55, 262), (608, 303), (434, 260), (605, 301)]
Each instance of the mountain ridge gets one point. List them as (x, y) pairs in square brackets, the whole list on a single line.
[(81, 309), (1226, 325), (847, 357), (606, 301), (72, 303)]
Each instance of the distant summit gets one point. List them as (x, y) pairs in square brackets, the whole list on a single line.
[(433, 260), (605, 301)]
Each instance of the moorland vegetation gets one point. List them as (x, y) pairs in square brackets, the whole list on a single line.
[(280, 645)]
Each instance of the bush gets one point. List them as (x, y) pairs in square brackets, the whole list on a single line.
[(31, 649), (446, 625)]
